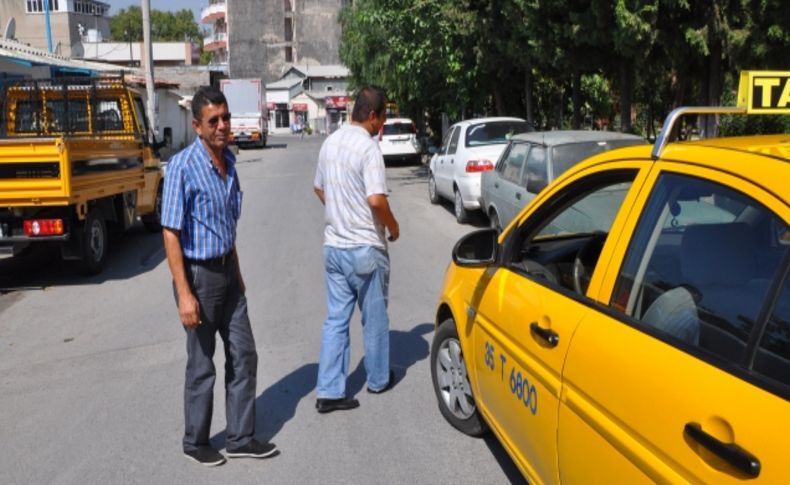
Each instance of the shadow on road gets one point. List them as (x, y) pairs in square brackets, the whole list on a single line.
[(133, 253), (277, 404), (505, 462), (406, 349)]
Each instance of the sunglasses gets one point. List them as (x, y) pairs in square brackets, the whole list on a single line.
[(214, 120)]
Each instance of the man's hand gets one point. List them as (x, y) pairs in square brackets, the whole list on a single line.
[(189, 310), (382, 213), (394, 231)]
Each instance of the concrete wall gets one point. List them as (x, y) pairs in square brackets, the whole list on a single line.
[(320, 85), (248, 24), (257, 45), (317, 31)]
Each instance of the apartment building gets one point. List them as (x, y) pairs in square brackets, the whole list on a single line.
[(262, 39), (70, 21)]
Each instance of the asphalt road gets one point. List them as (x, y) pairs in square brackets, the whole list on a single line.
[(91, 368)]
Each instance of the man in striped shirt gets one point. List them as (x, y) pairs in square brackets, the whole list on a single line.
[(201, 206), (351, 183)]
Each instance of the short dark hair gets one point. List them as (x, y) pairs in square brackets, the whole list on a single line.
[(369, 99), (204, 96)]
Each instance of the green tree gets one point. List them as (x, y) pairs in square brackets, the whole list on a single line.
[(127, 26)]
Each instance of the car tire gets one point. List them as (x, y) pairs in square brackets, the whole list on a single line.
[(451, 383), (93, 244), (433, 195), (152, 222), (493, 220), (461, 214)]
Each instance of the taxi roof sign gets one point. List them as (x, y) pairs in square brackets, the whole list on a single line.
[(759, 92), (764, 92)]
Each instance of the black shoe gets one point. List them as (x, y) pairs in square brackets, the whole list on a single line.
[(329, 405), (205, 455), (253, 449), (390, 385)]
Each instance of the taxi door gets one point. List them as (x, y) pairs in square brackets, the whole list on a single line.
[(527, 315), (664, 383)]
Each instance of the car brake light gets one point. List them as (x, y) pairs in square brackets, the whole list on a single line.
[(474, 166), (413, 128), (43, 227)]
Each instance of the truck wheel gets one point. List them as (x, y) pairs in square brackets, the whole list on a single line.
[(94, 243), (152, 222)]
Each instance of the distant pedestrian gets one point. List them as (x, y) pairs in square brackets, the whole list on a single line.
[(351, 183), (201, 207)]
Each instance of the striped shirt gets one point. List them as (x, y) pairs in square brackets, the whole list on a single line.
[(200, 203), (350, 169)]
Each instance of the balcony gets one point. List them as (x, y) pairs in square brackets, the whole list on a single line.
[(218, 40), (213, 12)]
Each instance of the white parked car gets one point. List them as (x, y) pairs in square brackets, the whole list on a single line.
[(469, 148), (398, 141)]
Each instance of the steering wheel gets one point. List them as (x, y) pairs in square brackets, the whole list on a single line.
[(584, 261)]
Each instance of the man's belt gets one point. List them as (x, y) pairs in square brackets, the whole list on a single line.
[(218, 261)]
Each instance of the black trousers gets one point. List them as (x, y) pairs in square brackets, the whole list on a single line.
[(223, 310)]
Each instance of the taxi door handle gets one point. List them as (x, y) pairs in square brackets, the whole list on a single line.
[(546, 334), (729, 452)]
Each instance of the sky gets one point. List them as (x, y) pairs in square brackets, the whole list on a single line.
[(172, 5)]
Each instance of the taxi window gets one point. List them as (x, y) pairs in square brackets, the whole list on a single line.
[(699, 266), (773, 355), (561, 243)]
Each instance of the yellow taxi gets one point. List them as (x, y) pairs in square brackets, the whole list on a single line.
[(632, 324)]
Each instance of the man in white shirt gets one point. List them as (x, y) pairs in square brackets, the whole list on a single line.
[(351, 183)]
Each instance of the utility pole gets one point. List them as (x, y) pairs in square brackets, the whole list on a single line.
[(149, 67)]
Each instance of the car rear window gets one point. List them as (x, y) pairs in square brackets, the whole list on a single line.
[(494, 132), (399, 129), (564, 157)]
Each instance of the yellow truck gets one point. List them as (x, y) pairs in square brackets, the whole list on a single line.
[(76, 161)]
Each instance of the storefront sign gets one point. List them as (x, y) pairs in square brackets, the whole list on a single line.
[(270, 106), (299, 106), (337, 102)]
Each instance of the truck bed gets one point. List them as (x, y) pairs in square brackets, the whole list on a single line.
[(62, 171)]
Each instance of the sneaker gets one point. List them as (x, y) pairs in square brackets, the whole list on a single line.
[(390, 385), (205, 455), (253, 449)]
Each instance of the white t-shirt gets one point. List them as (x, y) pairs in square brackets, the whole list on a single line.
[(350, 169)]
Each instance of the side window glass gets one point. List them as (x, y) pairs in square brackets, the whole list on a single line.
[(142, 119), (446, 141), (563, 245), (454, 142), (514, 163), (773, 354), (699, 265), (536, 176)]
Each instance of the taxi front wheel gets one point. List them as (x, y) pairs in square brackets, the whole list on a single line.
[(451, 383)]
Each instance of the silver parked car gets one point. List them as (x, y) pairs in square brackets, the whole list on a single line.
[(533, 160), (470, 147)]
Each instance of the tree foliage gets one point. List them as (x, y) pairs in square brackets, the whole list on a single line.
[(127, 26), (624, 63)]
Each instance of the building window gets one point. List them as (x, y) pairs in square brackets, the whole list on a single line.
[(36, 6), (88, 7), (289, 7), (289, 54)]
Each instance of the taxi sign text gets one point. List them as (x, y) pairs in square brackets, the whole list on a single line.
[(766, 92)]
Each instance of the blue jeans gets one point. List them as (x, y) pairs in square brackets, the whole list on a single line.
[(354, 275)]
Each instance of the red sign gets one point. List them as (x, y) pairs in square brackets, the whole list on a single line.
[(299, 106), (338, 102), (270, 106)]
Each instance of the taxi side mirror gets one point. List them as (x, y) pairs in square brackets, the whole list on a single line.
[(477, 249)]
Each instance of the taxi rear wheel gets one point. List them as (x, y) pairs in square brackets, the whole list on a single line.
[(451, 383)]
